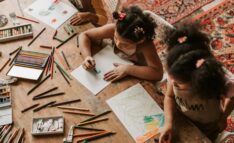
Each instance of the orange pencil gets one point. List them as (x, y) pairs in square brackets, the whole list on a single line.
[(73, 108), (80, 113), (93, 137), (88, 134)]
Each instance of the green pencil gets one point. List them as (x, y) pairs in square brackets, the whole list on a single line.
[(99, 115)]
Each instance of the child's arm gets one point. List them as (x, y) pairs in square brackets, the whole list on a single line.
[(86, 38), (169, 109)]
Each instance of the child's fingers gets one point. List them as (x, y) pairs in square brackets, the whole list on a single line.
[(106, 74), (74, 22), (109, 76)]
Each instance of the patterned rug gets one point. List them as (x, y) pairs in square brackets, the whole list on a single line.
[(170, 10), (218, 22)]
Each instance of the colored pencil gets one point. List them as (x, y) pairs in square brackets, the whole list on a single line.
[(8, 136), (47, 91), (50, 95), (44, 106), (5, 133), (27, 19), (11, 53), (63, 75), (17, 53), (37, 36), (97, 136), (13, 136), (77, 41), (64, 57), (60, 59), (47, 47), (79, 113), (93, 121), (48, 65), (73, 108), (55, 33), (88, 134), (65, 102), (37, 85), (90, 129), (56, 38), (65, 41), (30, 107), (20, 136), (99, 115), (4, 65), (70, 28), (66, 30), (52, 67)]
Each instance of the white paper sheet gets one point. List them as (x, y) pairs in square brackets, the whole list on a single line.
[(131, 106), (104, 63), (54, 16), (24, 72)]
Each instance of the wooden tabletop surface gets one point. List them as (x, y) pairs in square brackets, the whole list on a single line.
[(96, 104)]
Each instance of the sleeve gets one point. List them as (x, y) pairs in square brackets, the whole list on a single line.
[(100, 11), (230, 88)]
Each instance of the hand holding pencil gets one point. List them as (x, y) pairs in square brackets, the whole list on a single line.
[(89, 63)]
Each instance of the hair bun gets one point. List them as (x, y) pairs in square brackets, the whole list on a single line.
[(115, 14)]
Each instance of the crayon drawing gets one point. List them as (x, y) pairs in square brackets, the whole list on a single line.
[(134, 107), (93, 79), (52, 12)]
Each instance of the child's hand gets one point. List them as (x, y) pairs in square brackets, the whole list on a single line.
[(165, 134), (89, 63), (117, 73), (81, 18)]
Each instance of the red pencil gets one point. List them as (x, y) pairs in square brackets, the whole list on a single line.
[(27, 19), (52, 67), (47, 65)]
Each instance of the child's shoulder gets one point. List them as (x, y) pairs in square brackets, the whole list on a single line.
[(230, 87)]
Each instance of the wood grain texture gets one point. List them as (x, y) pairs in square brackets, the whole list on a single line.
[(96, 104)]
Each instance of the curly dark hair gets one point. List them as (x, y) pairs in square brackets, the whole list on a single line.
[(135, 18), (208, 80)]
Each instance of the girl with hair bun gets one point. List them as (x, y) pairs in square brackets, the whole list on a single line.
[(133, 35), (197, 85)]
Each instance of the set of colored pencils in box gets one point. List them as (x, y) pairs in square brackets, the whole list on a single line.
[(28, 65), (16, 32)]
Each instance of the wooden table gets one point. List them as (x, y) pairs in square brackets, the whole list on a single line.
[(96, 104)]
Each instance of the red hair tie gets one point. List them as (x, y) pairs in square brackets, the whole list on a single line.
[(182, 39), (122, 16)]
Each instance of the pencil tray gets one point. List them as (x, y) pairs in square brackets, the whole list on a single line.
[(47, 126), (16, 33)]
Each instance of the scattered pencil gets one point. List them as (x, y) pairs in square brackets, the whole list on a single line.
[(52, 67), (63, 75), (44, 106), (56, 38), (30, 107), (66, 41), (73, 108), (90, 129), (8, 129), (65, 59), (37, 36), (47, 47), (65, 102), (48, 65), (99, 115), (79, 113), (66, 30), (77, 41), (13, 59), (4, 65), (93, 121), (27, 19), (36, 86), (20, 136), (50, 95), (47, 91), (55, 33), (11, 53), (87, 134), (13, 136), (60, 59), (70, 28), (97, 136)]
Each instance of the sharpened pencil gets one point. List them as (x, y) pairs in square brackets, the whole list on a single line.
[(37, 36), (30, 107), (79, 113), (99, 115)]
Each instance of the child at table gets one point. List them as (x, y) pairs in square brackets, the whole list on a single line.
[(198, 85), (133, 35)]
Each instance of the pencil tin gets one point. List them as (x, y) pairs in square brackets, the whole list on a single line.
[(16, 33), (48, 125)]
